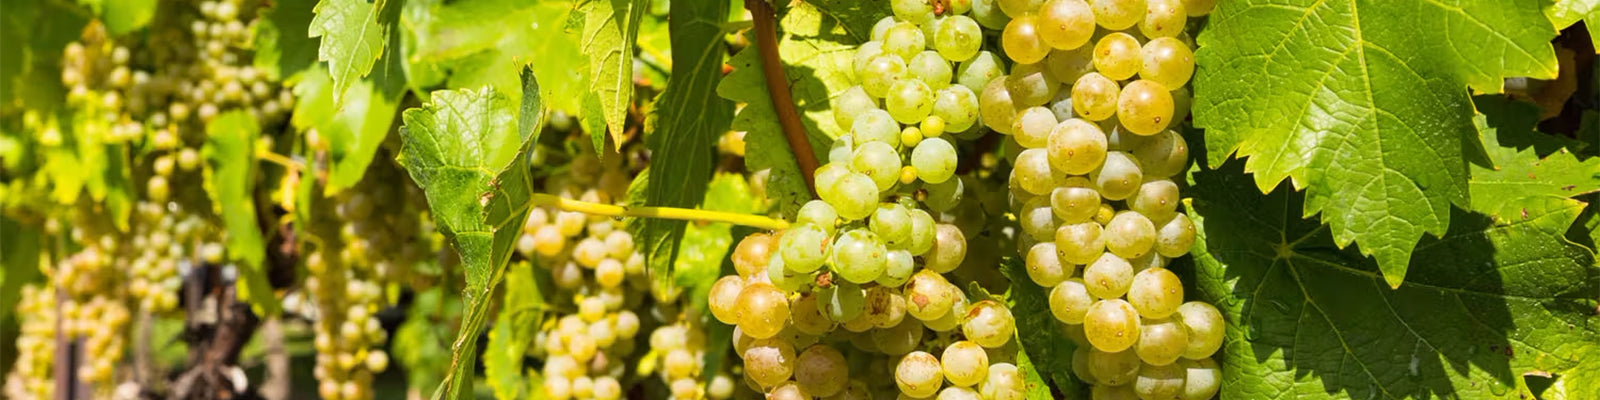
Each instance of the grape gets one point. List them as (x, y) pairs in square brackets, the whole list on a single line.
[(882, 71), (844, 301), (918, 374), (874, 126), (1037, 219), (1117, 56), (817, 213), (1205, 329), (1161, 341), (1108, 276), (989, 324), (852, 102), (841, 150), (1167, 61), (1156, 199), (917, 11), (1076, 147), (1070, 301), (923, 233), (958, 38), (1080, 365), (864, 54), (1130, 235), (878, 161), (807, 314), (976, 73), (786, 279), (901, 338), (935, 160), (957, 107), (1118, 177), (1066, 24), (1044, 265), (769, 362), (1070, 65), (1181, 103), (859, 256), (1163, 18), (803, 248), (1061, 105), (931, 68), (1080, 243), (724, 299), (909, 101), (949, 249), (892, 222), (1114, 368), (1033, 126), (965, 363), (1156, 293), (944, 196), (1117, 15), (1094, 96), (1111, 324), (1018, 8), (996, 107), (1175, 237), (1031, 85), (1162, 156), (881, 27), (1124, 392), (1198, 8), (821, 370), (1021, 40), (989, 14), (763, 310), (1144, 107), (1032, 171), (1160, 381), (1202, 379), (928, 295), (828, 175), (854, 196), (904, 39), (959, 393), (1004, 382)]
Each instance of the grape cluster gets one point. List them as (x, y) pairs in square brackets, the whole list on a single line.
[(30, 376), (91, 291), (1091, 106)]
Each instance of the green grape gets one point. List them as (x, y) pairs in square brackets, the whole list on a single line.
[(763, 310), (828, 175), (989, 14), (854, 196), (1031, 84), (841, 150), (1080, 365), (899, 339), (1021, 40), (976, 73), (1167, 61), (1018, 8), (863, 57), (892, 222), (958, 310), (1117, 56), (1163, 18), (904, 39), (1101, 392), (1199, 8), (1080, 243), (1094, 97), (898, 267), (918, 374), (1033, 126), (949, 249), (1066, 24), (786, 279), (930, 28), (859, 256), (769, 362), (929, 295), (935, 160), (1070, 301), (1202, 379), (875, 126), (996, 107), (1075, 201), (1156, 293), (1118, 177), (821, 370), (844, 300), (1147, 261), (881, 27), (1108, 277), (965, 363), (1070, 65), (944, 196), (1076, 147), (1156, 199), (909, 101), (1117, 15), (817, 213), (724, 299), (803, 248), (922, 233), (931, 68), (989, 324), (1181, 104), (957, 7), (1164, 155), (882, 71), (1044, 265), (1032, 171), (1114, 368), (1161, 341), (1037, 219), (1205, 329), (958, 38), (1175, 237), (917, 11), (1160, 381), (957, 107), (878, 161), (807, 315), (851, 103), (1130, 235), (1144, 107), (1061, 105)]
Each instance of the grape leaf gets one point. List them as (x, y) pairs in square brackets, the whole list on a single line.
[(1564, 13), (609, 30), (1521, 177), (282, 48), (124, 16), (1046, 354), (35, 32), (518, 321), (19, 262), (352, 40), (230, 178), (817, 46), (1490, 303), (690, 120), (488, 41), (355, 128), (467, 154), (1370, 120)]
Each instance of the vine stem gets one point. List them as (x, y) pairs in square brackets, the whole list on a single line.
[(685, 214), (766, 33)]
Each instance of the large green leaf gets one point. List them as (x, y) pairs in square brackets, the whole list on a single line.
[(1046, 354), (1489, 303), (354, 128), (486, 42), (352, 40), (1523, 178), (1564, 13), (691, 118), (231, 180), (1371, 119), (283, 48), (468, 154), (817, 44), (609, 29)]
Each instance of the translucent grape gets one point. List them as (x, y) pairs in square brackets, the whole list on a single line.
[(859, 256), (989, 14), (923, 232), (1070, 65), (1005, 382), (976, 73), (935, 160), (854, 196), (1119, 177), (844, 301), (1032, 171), (949, 249), (909, 101), (1175, 237), (1021, 40), (1102, 392), (918, 374), (763, 310), (900, 339), (1167, 61), (1031, 84), (752, 254), (881, 27), (1108, 276), (874, 126), (1033, 126), (958, 310), (1117, 15), (785, 278), (808, 316), (917, 11), (880, 72), (828, 175), (944, 196), (928, 295), (1080, 365), (1070, 301), (989, 324), (957, 106), (1061, 106), (1076, 147), (996, 107), (817, 213), (1160, 381), (1075, 201), (1156, 199), (1018, 8), (1130, 235), (1094, 97), (803, 247), (724, 299), (1161, 341), (841, 150), (1198, 8), (1144, 107), (1117, 56), (1080, 243), (1044, 265), (864, 55), (1205, 329), (821, 370), (1037, 219), (1202, 379), (769, 362), (904, 39), (1163, 18), (931, 68), (958, 38), (1066, 24), (879, 161), (1156, 293), (851, 103), (1114, 368), (965, 363), (898, 268), (1164, 155)]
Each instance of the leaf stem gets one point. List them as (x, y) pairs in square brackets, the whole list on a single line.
[(766, 33), (685, 214), (279, 159)]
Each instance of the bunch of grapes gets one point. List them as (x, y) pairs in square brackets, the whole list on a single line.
[(1092, 185), (30, 376), (679, 349), (91, 291)]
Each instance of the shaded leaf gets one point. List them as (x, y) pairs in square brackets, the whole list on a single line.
[(230, 179), (609, 30), (352, 40), (19, 262), (1523, 178), (1564, 13), (282, 45), (354, 128), (518, 321), (124, 16)]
